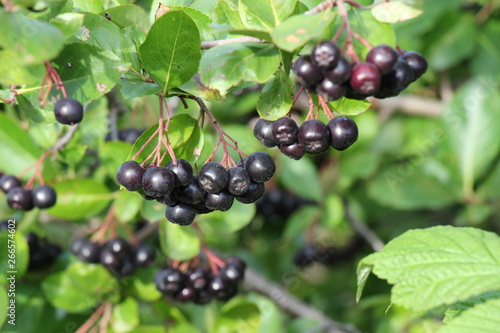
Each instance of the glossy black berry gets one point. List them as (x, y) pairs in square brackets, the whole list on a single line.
[(68, 111), (399, 77), (145, 256), (341, 72), (33, 241), (417, 63), (169, 281), (181, 214), (239, 181), (237, 261), (263, 132), (331, 91), (8, 182), (192, 194), (109, 259), (89, 252), (365, 78), (294, 151), (222, 289), (222, 201), (383, 57), (118, 246), (44, 196), (76, 245), (129, 175), (260, 166), (313, 135), (203, 297), (168, 199), (343, 132), (325, 54), (198, 278), (127, 267), (185, 294), (158, 181), (285, 131), (308, 74), (20, 199), (213, 177), (183, 171), (254, 193), (232, 272), (202, 208)]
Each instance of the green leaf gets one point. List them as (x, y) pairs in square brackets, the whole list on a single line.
[(269, 12), (93, 72), (68, 23), (142, 285), (224, 66), (191, 150), (202, 21), (94, 6), (470, 121), (152, 210), (133, 88), (19, 261), (437, 266), (349, 107), (196, 88), (397, 10), (227, 13), (80, 198), (17, 151), (178, 242), (487, 54), (277, 97), (239, 316), (128, 15), (300, 177), (112, 154), (4, 304), (456, 309), (127, 205), (38, 115), (481, 318), (297, 30), (24, 43), (238, 217), (125, 315), (180, 131), (80, 287), (270, 320), (172, 58)]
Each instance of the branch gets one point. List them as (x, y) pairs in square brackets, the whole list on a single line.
[(368, 235), (214, 43), (292, 304), (65, 139)]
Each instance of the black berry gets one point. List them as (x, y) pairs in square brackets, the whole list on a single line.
[(343, 132), (8, 182), (212, 177), (222, 201), (417, 63), (20, 199), (129, 175), (120, 247), (331, 91), (399, 76), (285, 131), (109, 259), (254, 193), (313, 135), (263, 132), (383, 57), (44, 196), (239, 181), (158, 181), (294, 151), (181, 214), (144, 256), (365, 78), (260, 166), (307, 72), (89, 252), (341, 72), (68, 111), (183, 171), (325, 54), (169, 281), (192, 194)]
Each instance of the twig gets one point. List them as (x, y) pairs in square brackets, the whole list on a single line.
[(92, 319), (146, 231), (368, 235), (214, 43)]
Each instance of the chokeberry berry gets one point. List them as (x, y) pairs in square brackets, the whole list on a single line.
[(254, 193), (202, 208), (383, 57), (20, 199), (365, 78), (212, 177), (325, 54), (343, 132), (237, 261), (198, 277), (232, 272), (44, 196), (185, 294), (119, 246), (33, 241), (399, 76), (331, 91), (260, 166), (181, 214), (89, 252), (144, 256), (417, 63), (129, 175), (192, 194), (183, 171), (222, 201), (263, 132), (158, 181), (76, 245), (285, 131), (307, 72), (169, 281), (127, 267), (168, 199), (294, 151), (110, 259), (239, 181), (341, 72), (8, 182), (68, 111), (313, 135)]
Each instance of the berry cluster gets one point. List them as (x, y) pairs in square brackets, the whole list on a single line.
[(327, 255), (312, 137), (68, 111), (186, 194), (42, 253), (19, 198), (199, 285), (129, 135), (117, 255), (385, 73)]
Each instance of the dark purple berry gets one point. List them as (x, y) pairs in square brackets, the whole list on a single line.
[(198, 278), (202, 208), (237, 261), (186, 294), (222, 201), (294, 151), (341, 72), (169, 281), (118, 246), (343, 132), (144, 256), (181, 214), (260, 166), (8, 182), (365, 78), (254, 193), (307, 72), (127, 267), (239, 181), (68, 111), (192, 194), (212, 177), (168, 200), (158, 181), (129, 175), (285, 131), (89, 252), (110, 259), (44, 196), (232, 272), (20, 199), (183, 171), (325, 54), (331, 91), (399, 77), (263, 132), (417, 63), (76, 245), (314, 136), (383, 57)]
